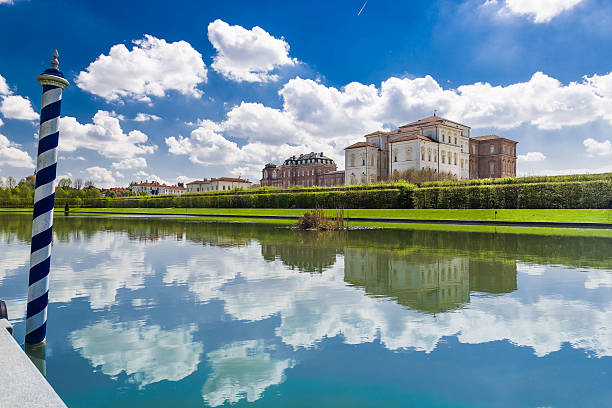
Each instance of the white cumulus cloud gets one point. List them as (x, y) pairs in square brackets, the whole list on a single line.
[(100, 176), (17, 107), (14, 106), (151, 68), (4, 89), (532, 157), (143, 117), (11, 155), (133, 163), (247, 55), (104, 135), (540, 11), (595, 148)]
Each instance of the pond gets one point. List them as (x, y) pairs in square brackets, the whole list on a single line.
[(172, 312)]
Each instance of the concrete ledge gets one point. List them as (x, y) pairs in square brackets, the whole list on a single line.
[(21, 384)]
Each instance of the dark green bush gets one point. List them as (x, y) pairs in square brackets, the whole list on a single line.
[(561, 195)]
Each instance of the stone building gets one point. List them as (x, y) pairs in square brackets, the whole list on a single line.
[(432, 143), (492, 156), (155, 188), (312, 169), (217, 184)]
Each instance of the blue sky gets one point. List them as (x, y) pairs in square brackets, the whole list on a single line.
[(220, 88)]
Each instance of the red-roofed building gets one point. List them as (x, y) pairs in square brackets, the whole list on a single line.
[(155, 188), (433, 143), (217, 184), (311, 169)]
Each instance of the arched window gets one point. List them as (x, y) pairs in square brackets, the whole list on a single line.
[(363, 178), (423, 153)]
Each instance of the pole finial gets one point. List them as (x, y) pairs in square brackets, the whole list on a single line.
[(54, 61)]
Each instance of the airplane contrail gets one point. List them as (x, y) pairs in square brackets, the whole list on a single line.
[(362, 7)]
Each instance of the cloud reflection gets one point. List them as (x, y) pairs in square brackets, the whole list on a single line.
[(145, 353), (242, 370)]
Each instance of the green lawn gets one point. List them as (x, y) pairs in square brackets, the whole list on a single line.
[(485, 215)]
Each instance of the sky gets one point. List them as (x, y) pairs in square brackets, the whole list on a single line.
[(204, 89)]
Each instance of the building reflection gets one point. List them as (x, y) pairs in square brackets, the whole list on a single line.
[(428, 283)]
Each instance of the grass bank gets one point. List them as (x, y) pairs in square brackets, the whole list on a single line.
[(432, 214)]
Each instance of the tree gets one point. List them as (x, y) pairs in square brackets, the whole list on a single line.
[(65, 183), (10, 182), (89, 184), (78, 183)]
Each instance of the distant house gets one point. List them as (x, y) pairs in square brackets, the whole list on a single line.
[(155, 188), (217, 184)]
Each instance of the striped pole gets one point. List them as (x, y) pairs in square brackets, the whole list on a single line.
[(53, 82)]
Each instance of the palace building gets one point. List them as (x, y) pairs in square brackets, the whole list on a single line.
[(311, 169), (432, 143)]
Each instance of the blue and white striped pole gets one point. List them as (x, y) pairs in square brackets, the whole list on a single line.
[(53, 82)]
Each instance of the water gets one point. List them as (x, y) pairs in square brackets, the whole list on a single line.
[(152, 312)]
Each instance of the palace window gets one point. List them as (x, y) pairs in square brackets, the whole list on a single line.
[(455, 159), (409, 153), (492, 167), (352, 160), (492, 149), (443, 157), (423, 153), (455, 140), (435, 158), (363, 162), (428, 154)]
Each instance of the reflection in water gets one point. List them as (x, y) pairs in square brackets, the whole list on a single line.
[(37, 354), (290, 291), (242, 370), (145, 353)]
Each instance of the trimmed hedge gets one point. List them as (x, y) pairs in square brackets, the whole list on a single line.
[(581, 194), (376, 198), (564, 195), (520, 180)]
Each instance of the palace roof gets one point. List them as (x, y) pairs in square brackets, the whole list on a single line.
[(491, 137), (360, 144)]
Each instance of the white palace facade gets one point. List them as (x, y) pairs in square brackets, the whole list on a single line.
[(432, 143)]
